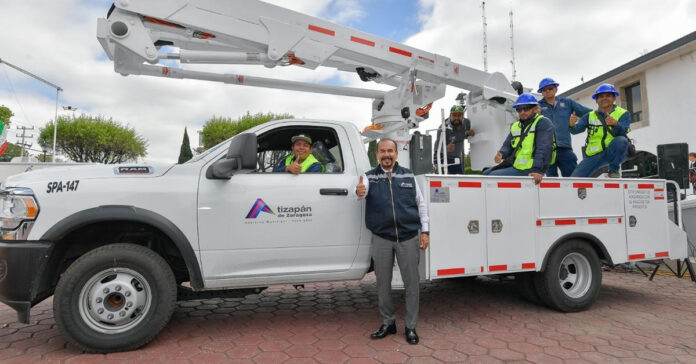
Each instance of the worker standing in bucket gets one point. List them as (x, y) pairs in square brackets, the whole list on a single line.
[(560, 110), (607, 127), (457, 129)]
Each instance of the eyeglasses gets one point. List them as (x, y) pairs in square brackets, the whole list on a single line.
[(524, 108), (548, 88)]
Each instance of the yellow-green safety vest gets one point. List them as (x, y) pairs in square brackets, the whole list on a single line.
[(306, 164), (524, 156), (597, 139)]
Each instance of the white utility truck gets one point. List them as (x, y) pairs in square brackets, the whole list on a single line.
[(117, 246)]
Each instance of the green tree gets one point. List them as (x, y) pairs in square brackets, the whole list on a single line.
[(94, 139), (6, 115), (185, 152), (11, 152), (372, 153), (218, 129)]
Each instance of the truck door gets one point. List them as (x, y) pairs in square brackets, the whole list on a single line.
[(264, 224), (511, 210)]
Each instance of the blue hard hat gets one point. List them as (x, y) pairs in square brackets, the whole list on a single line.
[(545, 82), (605, 88), (525, 99)]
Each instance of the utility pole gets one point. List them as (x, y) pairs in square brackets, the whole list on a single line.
[(485, 41), (58, 91), (24, 135), (512, 48)]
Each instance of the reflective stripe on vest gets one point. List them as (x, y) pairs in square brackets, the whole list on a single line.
[(597, 141), (524, 157), (306, 164)]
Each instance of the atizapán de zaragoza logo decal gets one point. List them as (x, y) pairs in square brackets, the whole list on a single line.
[(258, 207)]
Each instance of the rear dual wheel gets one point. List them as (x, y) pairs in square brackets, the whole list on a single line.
[(572, 278)]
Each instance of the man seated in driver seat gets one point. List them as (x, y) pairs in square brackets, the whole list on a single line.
[(301, 160)]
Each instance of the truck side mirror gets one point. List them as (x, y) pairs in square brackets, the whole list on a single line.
[(244, 147), (222, 169), (240, 156)]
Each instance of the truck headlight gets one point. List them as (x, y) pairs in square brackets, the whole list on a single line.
[(18, 210)]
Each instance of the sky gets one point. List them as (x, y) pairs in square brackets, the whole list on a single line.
[(566, 40)]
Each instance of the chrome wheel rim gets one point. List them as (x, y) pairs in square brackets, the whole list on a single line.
[(114, 300), (575, 275)]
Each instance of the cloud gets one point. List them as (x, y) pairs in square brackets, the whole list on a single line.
[(346, 11)]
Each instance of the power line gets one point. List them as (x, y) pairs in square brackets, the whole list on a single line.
[(14, 93)]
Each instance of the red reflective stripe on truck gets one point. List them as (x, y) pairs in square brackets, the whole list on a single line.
[(636, 256), (611, 185), (659, 190), (538, 222), (582, 185), (435, 183), (659, 197), (362, 41), (449, 272), (400, 51), (661, 254), (528, 265), (321, 30), (509, 185), (550, 185), (565, 222), (497, 268), (645, 186), (470, 184), (597, 221)]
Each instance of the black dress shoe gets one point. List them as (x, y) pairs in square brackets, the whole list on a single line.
[(383, 331), (411, 336)]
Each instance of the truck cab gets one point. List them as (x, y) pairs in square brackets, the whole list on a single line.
[(222, 221)]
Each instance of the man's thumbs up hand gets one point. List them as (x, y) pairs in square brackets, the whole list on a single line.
[(294, 167), (360, 189)]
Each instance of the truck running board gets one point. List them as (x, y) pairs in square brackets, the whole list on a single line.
[(188, 294)]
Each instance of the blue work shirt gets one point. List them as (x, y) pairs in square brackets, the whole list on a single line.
[(543, 145), (559, 113), (619, 130)]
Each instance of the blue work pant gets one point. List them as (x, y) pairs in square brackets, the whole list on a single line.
[(614, 155), (509, 171), (566, 161)]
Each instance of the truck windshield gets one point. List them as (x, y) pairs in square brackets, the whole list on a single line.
[(209, 151)]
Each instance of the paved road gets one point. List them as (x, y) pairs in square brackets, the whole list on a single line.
[(462, 321)]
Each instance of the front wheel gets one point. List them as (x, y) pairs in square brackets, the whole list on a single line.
[(572, 277), (114, 298)]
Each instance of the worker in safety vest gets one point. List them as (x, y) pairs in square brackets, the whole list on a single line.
[(560, 110), (530, 147), (606, 134), (301, 160)]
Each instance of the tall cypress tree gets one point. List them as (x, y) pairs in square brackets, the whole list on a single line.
[(185, 154)]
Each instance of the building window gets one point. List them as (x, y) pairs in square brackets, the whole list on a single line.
[(634, 102)]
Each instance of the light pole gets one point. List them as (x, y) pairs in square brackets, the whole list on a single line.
[(58, 90)]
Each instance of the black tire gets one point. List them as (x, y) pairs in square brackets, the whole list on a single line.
[(572, 278), (142, 295), (525, 285)]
